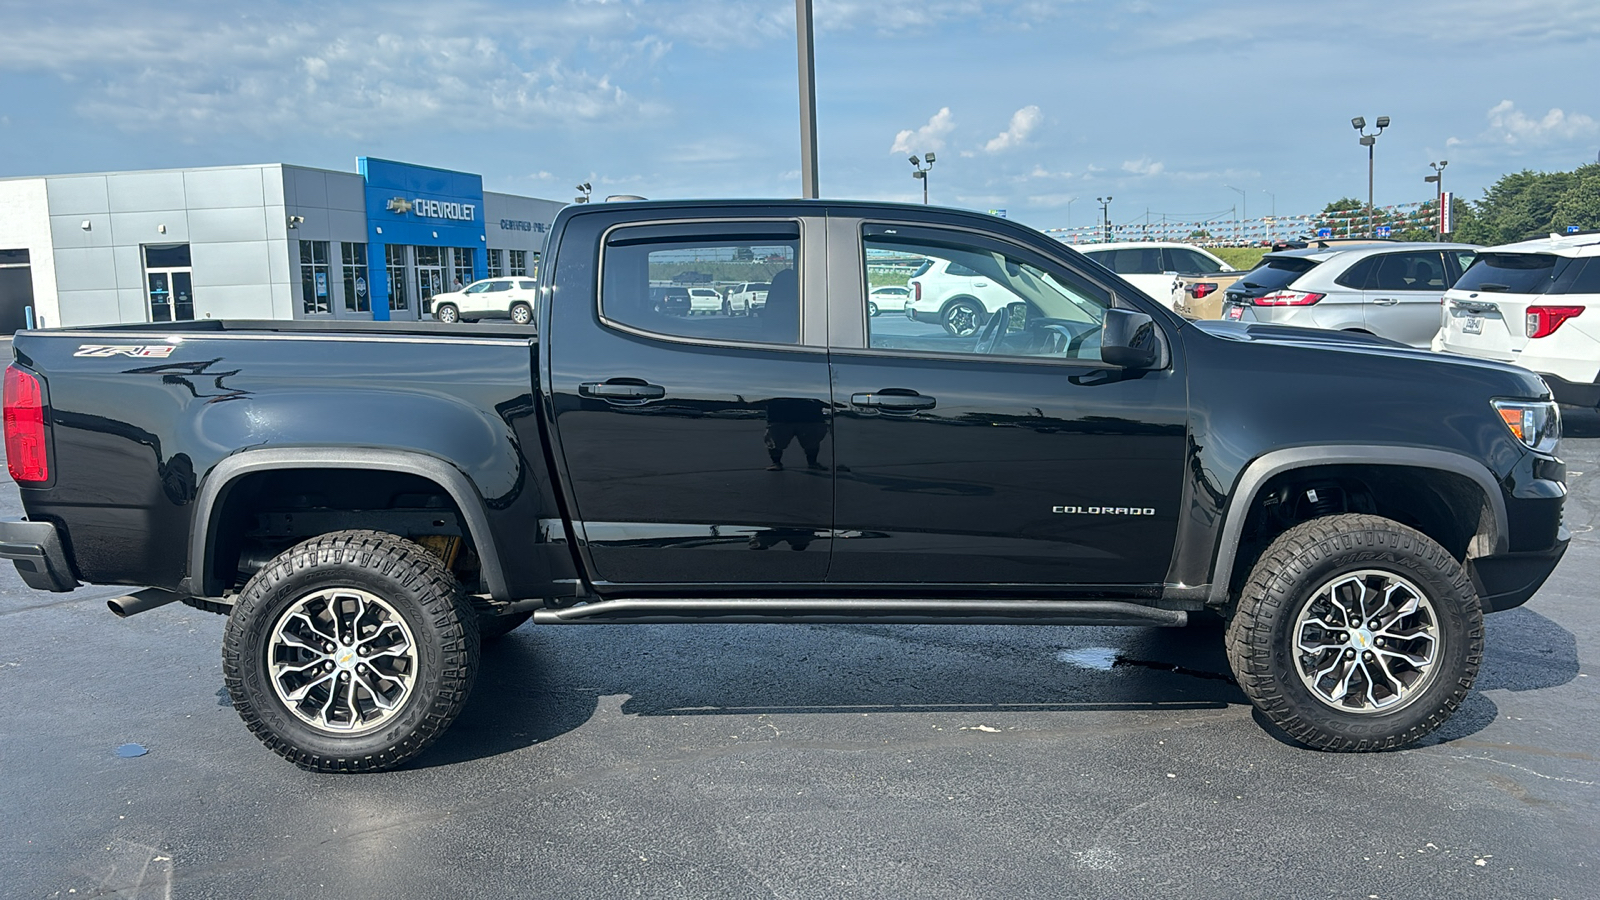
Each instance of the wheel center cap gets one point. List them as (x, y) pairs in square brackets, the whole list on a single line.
[(345, 658), (1361, 638)]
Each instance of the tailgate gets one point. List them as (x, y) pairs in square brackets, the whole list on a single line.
[(1483, 327)]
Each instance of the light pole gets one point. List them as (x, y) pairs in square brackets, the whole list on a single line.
[(584, 196), (1359, 123), (1438, 178), (1069, 214), (921, 174), (1272, 227), (808, 99), (1238, 221), (1105, 215)]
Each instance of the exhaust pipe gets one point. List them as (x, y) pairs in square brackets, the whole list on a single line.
[(140, 601)]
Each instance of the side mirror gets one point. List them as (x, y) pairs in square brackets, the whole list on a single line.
[(1128, 339)]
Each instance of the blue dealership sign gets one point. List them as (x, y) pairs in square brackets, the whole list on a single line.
[(421, 206)]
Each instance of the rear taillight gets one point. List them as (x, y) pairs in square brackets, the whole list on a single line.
[(1544, 320), (916, 288), (25, 437), (1288, 298), (1201, 290)]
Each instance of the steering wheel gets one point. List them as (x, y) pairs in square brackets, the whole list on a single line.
[(994, 331), (1066, 337)]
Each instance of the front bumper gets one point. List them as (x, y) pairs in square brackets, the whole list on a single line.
[(1507, 581), (36, 549)]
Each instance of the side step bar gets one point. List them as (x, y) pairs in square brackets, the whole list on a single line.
[(663, 611)]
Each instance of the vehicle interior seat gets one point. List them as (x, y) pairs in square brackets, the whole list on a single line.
[(780, 318)]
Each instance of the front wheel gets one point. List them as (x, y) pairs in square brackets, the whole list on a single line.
[(1356, 633), (447, 313), (351, 652), (872, 309), (521, 313)]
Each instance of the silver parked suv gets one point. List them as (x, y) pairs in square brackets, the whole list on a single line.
[(1389, 289)]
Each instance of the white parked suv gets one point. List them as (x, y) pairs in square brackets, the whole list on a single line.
[(1154, 266), (511, 298), (1532, 304), (950, 294)]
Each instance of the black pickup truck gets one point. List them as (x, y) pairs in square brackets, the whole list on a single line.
[(370, 503)]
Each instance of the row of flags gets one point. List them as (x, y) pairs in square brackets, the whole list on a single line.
[(1222, 230)]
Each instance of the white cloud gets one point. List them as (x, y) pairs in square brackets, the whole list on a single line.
[(1510, 125), (929, 137), (1023, 122), (1143, 166)]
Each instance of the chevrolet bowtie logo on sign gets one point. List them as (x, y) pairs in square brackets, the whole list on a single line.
[(399, 205)]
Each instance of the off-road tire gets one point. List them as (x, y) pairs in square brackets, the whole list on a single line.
[(1260, 639), (404, 575)]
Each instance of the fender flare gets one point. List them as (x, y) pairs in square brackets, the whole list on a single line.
[(214, 491), (1279, 461)]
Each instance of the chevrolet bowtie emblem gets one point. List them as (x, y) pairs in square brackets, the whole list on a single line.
[(399, 205)]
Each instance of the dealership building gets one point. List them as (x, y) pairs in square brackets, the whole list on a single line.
[(270, 241)]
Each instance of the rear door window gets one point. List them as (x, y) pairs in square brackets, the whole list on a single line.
[(1512, 273), (1275, 274), (1421, 270), (640, 261), (1187, 262), (1359, 275), (1588, 280)]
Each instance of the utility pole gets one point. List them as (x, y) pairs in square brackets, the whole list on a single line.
[(808, 100), (1105, 214), (1438, 178)]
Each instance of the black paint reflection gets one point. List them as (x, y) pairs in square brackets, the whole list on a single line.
[(793, 419)]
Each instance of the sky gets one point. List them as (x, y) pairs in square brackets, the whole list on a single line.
[(1188, 110)]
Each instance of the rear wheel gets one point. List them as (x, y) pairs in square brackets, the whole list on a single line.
[(447, 313), (872, 309), (962, 318), (521, 313), (1356, 633), (351, 652)]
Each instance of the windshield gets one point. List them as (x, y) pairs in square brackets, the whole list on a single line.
[(1512, 273)]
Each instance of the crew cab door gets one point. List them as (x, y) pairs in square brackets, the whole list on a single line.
[(1010, 457), (694, 449)]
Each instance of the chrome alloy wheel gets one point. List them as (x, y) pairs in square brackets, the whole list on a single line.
[(1366, 642), (342, 660)]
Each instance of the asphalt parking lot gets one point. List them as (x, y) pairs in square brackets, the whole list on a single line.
[(803, 762)]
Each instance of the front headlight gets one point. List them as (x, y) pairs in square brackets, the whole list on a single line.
[(1535, 423)]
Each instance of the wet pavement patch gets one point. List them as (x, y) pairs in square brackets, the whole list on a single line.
[(129, 751)]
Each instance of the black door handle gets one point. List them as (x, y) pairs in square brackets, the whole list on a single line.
[(617, 389), (897, 399)]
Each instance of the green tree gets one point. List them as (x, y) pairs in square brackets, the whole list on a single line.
[(1528, 204)]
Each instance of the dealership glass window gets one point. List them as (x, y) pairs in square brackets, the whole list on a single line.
[(461, 262), (354, 257), (430, 276), (314, 289), (533, 264), (395, 258), (646, 273), (972, 296), (519, 262), (497, 262)]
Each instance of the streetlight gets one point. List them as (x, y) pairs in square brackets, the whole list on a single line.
[(1438, 178), (585, 190), (921, 173), (1238, 221), (1368, 140), (1272, 229), (1105, 215), (1069, 214)]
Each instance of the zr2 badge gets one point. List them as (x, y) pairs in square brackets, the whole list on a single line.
[(137, 351)]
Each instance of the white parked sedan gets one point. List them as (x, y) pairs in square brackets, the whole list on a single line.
[(511, 298), (889, 298)]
